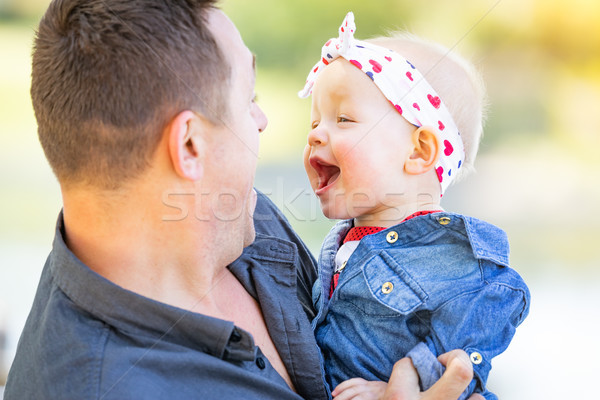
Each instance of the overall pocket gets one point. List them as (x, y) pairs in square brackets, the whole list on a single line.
[(383, 288)]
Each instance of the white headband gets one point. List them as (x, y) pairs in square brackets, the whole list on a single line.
[(405, 88)]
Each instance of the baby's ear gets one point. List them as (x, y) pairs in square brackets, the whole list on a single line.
[(426, 145)]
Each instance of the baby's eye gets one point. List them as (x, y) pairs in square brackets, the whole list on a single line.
[(314, 125), (343, 119)]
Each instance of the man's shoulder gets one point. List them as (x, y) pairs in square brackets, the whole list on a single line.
[(59, 339)]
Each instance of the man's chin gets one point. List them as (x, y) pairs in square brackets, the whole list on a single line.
[(250, 231), (250, 236)]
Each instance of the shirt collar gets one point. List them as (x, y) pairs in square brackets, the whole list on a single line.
[(138, 315)]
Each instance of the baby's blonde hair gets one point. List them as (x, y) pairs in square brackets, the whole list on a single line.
[(456, 81)]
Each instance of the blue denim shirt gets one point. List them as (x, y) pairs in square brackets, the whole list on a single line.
[(87, 338), (439, 282)]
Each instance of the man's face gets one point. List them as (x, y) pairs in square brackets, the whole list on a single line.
[(234, 145)]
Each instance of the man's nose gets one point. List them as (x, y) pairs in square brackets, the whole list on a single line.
[(261, 119)]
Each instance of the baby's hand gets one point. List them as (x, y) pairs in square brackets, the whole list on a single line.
[(359, 389)]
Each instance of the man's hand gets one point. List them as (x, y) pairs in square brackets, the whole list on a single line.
[(404, 381)]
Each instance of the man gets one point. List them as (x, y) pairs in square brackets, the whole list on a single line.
[(146, 114)]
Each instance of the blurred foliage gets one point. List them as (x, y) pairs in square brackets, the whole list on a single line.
[(22, 9), (289, 34)]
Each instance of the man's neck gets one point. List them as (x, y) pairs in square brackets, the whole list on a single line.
[(124, 239)]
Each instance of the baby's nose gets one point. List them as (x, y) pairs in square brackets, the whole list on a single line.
[(317, 136)]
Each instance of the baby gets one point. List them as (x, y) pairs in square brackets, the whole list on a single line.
[(399, 276)]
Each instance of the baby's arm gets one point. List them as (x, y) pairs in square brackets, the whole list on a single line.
[(481, 323)]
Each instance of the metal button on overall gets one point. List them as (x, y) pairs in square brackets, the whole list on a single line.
[(444, 220), (476, 358), (387, 287), (391, 237)]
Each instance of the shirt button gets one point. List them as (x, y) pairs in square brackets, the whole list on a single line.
[(444, 220), (476, 358), (387, 287), (260, 363), (391, 237)]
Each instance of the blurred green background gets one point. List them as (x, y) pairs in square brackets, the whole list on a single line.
[(537, 170)]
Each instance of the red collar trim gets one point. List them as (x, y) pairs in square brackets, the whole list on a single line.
[(359, 232)]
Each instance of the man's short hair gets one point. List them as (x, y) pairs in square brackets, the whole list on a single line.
[(108, 75)]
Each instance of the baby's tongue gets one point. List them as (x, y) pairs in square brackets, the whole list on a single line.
[(331, 173), (334, 176)]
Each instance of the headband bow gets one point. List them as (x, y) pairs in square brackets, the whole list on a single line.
[(404, 87)]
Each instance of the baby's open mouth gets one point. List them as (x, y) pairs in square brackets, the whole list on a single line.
[(327, 174)]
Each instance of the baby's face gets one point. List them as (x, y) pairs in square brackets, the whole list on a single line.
[(357, 146)]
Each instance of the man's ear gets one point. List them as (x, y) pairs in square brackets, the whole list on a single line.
[(186, 145), (426, 151)]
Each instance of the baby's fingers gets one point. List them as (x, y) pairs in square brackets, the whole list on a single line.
[(346, 385), (359, 389)]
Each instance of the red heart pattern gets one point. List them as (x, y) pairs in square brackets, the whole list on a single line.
[(448, 149), (440, 173), (356, 64), (434, 100), (376, 66)]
